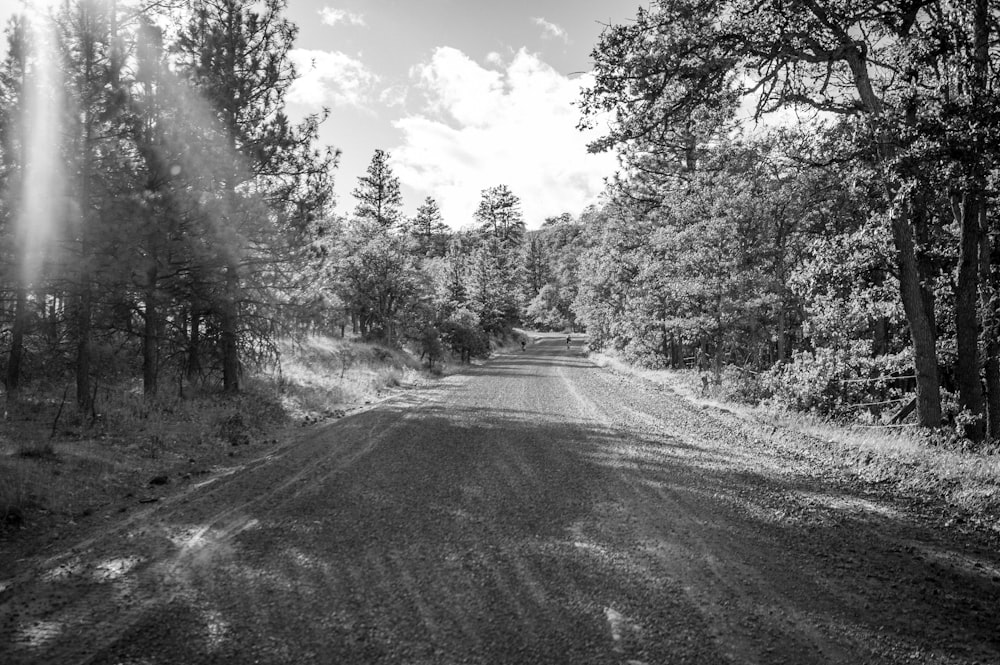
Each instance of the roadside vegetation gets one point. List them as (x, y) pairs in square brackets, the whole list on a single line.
[(171, 250), (931, 466), (56, 466)]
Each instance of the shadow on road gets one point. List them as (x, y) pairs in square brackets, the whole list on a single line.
[(443, 533)]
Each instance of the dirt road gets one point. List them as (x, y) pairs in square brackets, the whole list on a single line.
[(536, 509)]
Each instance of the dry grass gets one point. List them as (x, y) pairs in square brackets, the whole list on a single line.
[(919, 463), (62, 469), (321, 375)]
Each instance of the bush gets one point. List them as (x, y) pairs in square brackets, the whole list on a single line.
[(833, 381), (463, 336)]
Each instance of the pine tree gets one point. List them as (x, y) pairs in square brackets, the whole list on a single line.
[(13, 88), (89, 30), (429, 230), (499, 216), (378, 194), (236, 54)]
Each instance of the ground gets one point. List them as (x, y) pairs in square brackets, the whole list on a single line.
[(537, 509)]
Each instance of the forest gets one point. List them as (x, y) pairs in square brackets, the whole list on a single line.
[(804, 210)]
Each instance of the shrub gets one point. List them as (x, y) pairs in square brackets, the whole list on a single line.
[(833, 382), (462, 334)]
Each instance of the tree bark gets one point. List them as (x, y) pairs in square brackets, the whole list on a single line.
[(230, 334), (782, 335), (194, 341), (970, 389), (992, 367), (16, 355), (920, 323), (150, 343), (84, 324), (918, 308)]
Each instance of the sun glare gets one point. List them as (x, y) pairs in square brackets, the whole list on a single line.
[(41, 188)]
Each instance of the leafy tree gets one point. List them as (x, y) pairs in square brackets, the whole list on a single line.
[(490, 287), (549, 310), (533, 274), (378, 281), (849, 59)]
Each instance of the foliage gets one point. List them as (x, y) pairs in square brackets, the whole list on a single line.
[(191, 241), (499, 216), (874, 223), (378, 194), (428, 230)]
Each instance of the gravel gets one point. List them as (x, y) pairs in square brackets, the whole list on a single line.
[(535, 509)]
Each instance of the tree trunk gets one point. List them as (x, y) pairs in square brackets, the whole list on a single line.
[(920, 324), (880, 336), (230, 321), (917, 301), (970, 388), (150, 345), (989, 289), (782, 335), (16, 355), (993, 388), (975, 218), (84, 316), (194, 341)]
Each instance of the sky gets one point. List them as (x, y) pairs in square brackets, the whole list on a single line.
[(463, 94)]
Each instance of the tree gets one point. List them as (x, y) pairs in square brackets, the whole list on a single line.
[(14, 90), (534, 270), (499, 216), (429, 230), (549, 310), (236, 54), (378, 281), (378, 195), (662, 70), (94, 56)]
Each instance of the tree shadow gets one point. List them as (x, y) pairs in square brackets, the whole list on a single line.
[(494, 535)]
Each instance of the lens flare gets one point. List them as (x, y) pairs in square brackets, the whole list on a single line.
[(42, 186)]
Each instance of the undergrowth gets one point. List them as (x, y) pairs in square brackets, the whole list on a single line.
[(935, 464), (54, 460)]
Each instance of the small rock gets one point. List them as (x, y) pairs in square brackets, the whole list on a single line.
[(159, 480)]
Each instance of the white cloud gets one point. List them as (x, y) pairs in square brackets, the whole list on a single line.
[(332, 17), (394, 96), (551, 30), (331, 78), (484, 127)]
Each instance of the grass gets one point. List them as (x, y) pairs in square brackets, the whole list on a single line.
[(919, 463), (57, 473), (321, 375)]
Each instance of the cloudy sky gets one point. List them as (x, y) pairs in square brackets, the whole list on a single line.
[(465, 94)]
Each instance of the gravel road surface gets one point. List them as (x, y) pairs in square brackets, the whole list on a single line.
[(535, 509)]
